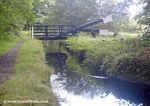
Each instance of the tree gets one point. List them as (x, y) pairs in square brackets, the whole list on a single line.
[(43, 11), (144, 17), (120, 15), (74, 11), (80, 11), (14, 14)]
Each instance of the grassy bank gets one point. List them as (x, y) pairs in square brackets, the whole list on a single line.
[(30, 78), (6, 44), (119, 54)]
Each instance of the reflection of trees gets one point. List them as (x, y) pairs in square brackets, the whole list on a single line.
[(73, 82), (57, 60), (54, 46), (136, 93), (78, 85)]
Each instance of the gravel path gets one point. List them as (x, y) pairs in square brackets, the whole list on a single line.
[(7, 63)]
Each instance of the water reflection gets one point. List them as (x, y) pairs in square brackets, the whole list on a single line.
[(85, 95), (75, 88)]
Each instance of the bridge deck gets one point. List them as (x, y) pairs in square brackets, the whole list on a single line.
[(51, 37)]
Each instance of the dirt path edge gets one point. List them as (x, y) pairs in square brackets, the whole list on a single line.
[(7, 62)]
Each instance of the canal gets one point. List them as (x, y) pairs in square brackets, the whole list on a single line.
[(75, 85)]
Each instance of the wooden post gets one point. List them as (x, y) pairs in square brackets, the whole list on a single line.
[(46, 30), (32, 32)]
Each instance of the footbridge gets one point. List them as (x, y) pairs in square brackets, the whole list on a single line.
[(56, 32)]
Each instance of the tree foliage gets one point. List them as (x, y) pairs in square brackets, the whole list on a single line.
[(43, 10), (14, 14), (76, 12), (79, 11), (144, 17)]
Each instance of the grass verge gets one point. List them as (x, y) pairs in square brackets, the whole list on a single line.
[(30, 78)]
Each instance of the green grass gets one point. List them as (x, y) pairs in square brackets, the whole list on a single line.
[(30, 78), (109, 49), (129, 35), (10, 41), (7, 44)]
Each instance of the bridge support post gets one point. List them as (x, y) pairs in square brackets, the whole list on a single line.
[(93, 34), (32, 32), (46, 31)]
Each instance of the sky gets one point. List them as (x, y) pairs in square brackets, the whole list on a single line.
[(135, 9)]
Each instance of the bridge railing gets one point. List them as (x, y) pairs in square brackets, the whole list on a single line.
[(50, 30), (67, 30)]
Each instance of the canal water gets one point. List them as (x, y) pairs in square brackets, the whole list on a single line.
[(75, 85)]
